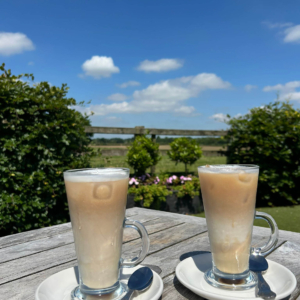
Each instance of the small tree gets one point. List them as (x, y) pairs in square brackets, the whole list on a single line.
[(269, 136), (40, 137), (184, 150), (142, 154)]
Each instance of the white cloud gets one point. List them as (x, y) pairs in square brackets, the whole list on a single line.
[(14, 43), (99, 66), (292, 34), (249, 87), (164, 96), (128, 83), (31, 63), (117, 97), (220, 117), (290, 31), (161, 65), (277, 25), (287, 91), (185, 110)]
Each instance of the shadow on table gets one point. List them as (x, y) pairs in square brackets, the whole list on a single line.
[(203, 263)]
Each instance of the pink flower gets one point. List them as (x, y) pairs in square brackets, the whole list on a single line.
[(133, 181), (170, 180)]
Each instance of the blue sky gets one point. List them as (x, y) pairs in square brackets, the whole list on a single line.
[(158, 64)]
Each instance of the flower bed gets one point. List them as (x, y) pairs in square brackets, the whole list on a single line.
[(169, 193)]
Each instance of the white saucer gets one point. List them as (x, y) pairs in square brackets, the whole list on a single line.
[(59, 286), (191, 270)]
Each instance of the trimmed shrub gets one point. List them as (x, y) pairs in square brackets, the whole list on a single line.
[(184, 150), (40, 137), (269, 136), (142, 154)]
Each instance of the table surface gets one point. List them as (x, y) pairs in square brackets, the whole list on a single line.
[(26, 259)]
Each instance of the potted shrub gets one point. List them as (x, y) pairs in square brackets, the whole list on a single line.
[(184, 150), (168, 193)]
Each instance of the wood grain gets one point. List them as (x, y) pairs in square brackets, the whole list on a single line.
[(29, 258), (60, 239), (45, 232)]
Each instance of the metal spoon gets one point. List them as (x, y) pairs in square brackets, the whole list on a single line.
[(140, 280), (259, 264)]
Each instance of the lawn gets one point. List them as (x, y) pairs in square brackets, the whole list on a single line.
[(286, 217), (164, 166)]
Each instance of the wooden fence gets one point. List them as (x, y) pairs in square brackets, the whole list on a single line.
[(154, 132)]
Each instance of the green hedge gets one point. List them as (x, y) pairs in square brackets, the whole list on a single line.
[(40, 137), (269, 136)]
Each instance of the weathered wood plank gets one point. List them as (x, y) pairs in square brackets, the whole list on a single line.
[(167, 259), (38, 262), (152, 226), (36, 246), (45, 232), (170, 257), (28, 265), (167, 247), (24, 288), (33, 235), (178, 217), (166, 238)]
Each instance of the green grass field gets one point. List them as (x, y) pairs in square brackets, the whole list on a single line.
[(164, 166), (286, 217)]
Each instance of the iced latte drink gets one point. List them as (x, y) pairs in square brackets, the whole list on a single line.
[(229, 196), (97, 203)]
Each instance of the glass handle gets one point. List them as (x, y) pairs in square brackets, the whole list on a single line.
[(270, 245), (139, 227)]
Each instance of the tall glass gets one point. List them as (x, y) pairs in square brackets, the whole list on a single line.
[(97, 204), (229, 196)]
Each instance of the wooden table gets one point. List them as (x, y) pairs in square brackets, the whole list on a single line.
[(26, 259)]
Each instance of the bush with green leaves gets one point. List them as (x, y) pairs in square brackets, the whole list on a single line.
[(184, 150), (40, 137), (142, 154), (150, 196), (269, 136)]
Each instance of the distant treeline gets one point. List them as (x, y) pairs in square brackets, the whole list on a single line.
[(207, 141)]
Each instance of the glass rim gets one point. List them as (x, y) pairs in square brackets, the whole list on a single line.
[(112, 170), (245, 166)]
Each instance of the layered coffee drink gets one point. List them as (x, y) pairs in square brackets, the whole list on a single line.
[(97, 204), (229, 195)]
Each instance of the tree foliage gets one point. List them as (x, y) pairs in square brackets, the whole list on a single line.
[(142, 154), (269, 136), (184, 150), (40, 137)]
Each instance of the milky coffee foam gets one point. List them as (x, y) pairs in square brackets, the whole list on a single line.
[(96, 175), (228, 169)]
